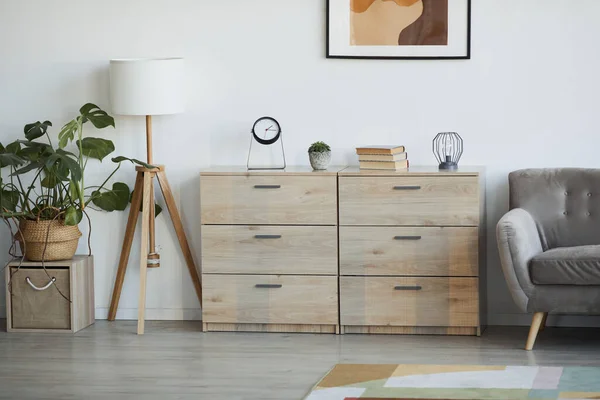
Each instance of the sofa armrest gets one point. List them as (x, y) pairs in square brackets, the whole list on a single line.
[(518, 242)]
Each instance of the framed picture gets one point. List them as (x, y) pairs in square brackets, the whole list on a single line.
[(399, 29)]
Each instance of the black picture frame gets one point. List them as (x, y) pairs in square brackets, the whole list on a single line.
[(465, 57)]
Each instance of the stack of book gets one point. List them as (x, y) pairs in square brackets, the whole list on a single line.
[(382, 157)]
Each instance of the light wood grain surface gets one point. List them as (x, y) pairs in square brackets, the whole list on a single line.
[(293, 300), (411, 330), (291, 250), (134, 212), (409, 200), (267, 200), (270, 328), (424, 170), (82, 294), (440, 302), (148, 176), (436, 251), (175, 361), (294, 170), (29, 310)]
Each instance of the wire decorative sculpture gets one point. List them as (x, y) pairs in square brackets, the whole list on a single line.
[(448, 148)]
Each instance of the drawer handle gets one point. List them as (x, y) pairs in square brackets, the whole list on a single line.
[(267, 236), (407, 187), (407, 237), (268, 286), (408, 288), (267, 186), (40, 288)]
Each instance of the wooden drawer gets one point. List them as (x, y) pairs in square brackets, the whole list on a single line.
[(291, 250), (434, 251), (442, 302), (266, 199), (270, 299), (423, 200)]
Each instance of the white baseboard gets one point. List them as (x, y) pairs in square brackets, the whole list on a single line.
[(195, 314), (576, 321), (158, 314)]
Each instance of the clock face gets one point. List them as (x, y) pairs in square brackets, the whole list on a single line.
[(266, 130)]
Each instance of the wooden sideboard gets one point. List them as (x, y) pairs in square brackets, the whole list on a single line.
[(411, 251), (406, 258), (269, 250)]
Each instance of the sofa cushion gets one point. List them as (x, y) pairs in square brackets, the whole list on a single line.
[(567, 266), (564, 203)]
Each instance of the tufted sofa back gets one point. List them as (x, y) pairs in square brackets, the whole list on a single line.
[(564, 202)]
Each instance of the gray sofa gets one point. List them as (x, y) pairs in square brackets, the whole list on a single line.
[(549, 243)]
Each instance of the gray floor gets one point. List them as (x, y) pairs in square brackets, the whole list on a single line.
[(174, 360)]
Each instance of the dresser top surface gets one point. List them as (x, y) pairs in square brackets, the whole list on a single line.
[(291, 170), (413, 171)]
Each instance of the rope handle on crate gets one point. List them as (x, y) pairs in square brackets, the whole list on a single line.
[(40, 289)]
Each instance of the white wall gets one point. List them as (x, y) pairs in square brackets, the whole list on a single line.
[(526, 99)]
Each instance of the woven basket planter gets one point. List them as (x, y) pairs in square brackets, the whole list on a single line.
[(62, 240)]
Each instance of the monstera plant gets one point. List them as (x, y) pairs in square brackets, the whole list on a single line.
[(43, 186)]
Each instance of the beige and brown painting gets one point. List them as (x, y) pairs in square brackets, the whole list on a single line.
[(398, 22)]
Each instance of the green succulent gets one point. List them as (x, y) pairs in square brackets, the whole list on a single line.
[(319, 147)]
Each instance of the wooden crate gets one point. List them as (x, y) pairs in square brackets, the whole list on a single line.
[(45, 310)]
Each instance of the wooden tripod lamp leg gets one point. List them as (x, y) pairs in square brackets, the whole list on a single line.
[(153, 257), (136, 202), (176, 219), (144, 250)]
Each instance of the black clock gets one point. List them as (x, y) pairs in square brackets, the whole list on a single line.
[(266, 131)]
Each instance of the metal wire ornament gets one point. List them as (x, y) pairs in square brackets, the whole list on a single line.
[(448, 148)]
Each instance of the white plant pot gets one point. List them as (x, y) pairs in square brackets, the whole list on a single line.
[(319, 161)]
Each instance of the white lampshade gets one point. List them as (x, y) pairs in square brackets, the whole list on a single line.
[(147, 86)]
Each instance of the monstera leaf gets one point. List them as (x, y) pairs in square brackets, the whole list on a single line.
[(99, 118), (120, 159), (9, 199), (36, 129), (111, 200), (55, 175), (14, 148), (29, 167), (67, 133), (73, 216), (68, 160), (9, 157), (96, 148)]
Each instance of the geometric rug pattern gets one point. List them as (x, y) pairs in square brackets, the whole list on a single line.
[(457, 382)]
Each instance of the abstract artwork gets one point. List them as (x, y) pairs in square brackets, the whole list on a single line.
[(457, 382), (399, 29)]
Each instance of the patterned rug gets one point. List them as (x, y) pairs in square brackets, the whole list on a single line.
[(457, 382)]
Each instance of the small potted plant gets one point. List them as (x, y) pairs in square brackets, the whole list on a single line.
[(319, 154), (44, 193)]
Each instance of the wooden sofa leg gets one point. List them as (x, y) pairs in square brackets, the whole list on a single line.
[(543, 325), (538, 317)]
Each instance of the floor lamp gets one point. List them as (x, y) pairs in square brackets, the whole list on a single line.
[(148, 87)]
